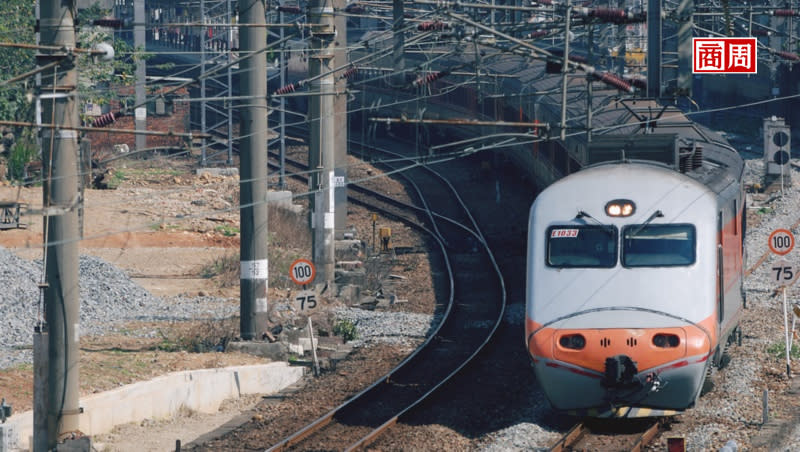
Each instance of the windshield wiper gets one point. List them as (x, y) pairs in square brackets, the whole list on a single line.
[(604, 227), (581, 214), (656, 214)]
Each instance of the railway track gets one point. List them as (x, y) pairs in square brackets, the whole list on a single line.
[(471, 315), (598, 434)]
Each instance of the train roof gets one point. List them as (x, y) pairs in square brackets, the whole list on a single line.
[(675, 141)]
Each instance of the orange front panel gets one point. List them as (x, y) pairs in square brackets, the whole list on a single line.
[(602, 343)]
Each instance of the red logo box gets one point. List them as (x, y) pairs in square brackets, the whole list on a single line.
[(724, 55)]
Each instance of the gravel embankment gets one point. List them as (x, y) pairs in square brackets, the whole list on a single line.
[(108, 297), (395, 328)]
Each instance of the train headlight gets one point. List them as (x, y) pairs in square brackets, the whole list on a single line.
[(666, 340), (620, 208), (572, 341)]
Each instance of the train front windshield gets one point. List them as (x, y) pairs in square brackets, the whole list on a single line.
[(582, 246), (658, 245)]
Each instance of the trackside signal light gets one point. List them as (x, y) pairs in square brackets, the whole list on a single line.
[(620, 208), (572, 341), (666, 340)]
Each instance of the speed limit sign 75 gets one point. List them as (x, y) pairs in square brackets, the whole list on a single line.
[(302, 271), (781, 241)]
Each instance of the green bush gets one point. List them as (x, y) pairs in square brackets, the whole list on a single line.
[(346, 329), (22, 153)]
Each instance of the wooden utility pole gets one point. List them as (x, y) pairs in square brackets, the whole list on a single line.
[(254, 265), (60, 198)]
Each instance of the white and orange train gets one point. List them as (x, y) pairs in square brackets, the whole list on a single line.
[(635, 269)]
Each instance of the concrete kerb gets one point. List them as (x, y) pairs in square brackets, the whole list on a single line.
[(200, 390)]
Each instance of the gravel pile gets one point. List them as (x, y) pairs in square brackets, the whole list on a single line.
[(396, 328), (108, 297)]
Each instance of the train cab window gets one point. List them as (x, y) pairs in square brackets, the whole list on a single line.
[(658, 245), (582, 246)]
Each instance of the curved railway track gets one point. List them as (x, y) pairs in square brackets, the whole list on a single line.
[(469, 314), (473, 312), (628, 435)]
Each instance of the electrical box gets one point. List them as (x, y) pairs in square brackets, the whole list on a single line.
[(777, 147)]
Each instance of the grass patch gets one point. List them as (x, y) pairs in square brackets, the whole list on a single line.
[(288, 235), (225, 268), (205, 336), (117, 178), (227, 230), (778, 350)]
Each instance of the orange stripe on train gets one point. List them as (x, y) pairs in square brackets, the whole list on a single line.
[(637, 343)]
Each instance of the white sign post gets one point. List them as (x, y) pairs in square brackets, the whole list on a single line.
[(781, 242)]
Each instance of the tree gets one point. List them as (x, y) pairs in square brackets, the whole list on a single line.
[(97, 77), (17, 21)]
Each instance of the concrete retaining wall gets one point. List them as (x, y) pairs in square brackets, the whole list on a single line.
[(198, 390)]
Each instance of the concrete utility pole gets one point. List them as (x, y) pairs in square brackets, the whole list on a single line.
[(321, 149), (253, 169), (685, 26), (340, 119), (60, 198), (140, 115), (565, 72), (654, 48), (398, 51)]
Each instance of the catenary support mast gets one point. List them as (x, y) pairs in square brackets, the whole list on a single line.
[(253, 182), (60, 198)]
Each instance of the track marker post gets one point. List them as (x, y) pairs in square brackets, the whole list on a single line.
[(781, 242)]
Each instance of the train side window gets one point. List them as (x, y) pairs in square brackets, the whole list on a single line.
[(573, 246), (658, 245)]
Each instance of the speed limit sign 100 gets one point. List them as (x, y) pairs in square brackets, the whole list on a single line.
[(781, 241), (302, 271)]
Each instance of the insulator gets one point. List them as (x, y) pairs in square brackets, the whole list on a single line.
[(613, 80), (536, 34), (785, 12), (430, 78), (578, 58), (112, 23), (759, 32), (433, 26), (350, 73), (290, 88), (616, 15), (290, 9), (788, 55), (636, 82), (544, 2), (104, 120)]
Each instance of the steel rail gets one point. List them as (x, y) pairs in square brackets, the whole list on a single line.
[(581, 433), (437, 343)]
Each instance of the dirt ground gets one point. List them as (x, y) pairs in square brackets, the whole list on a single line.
[(164, 226)]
